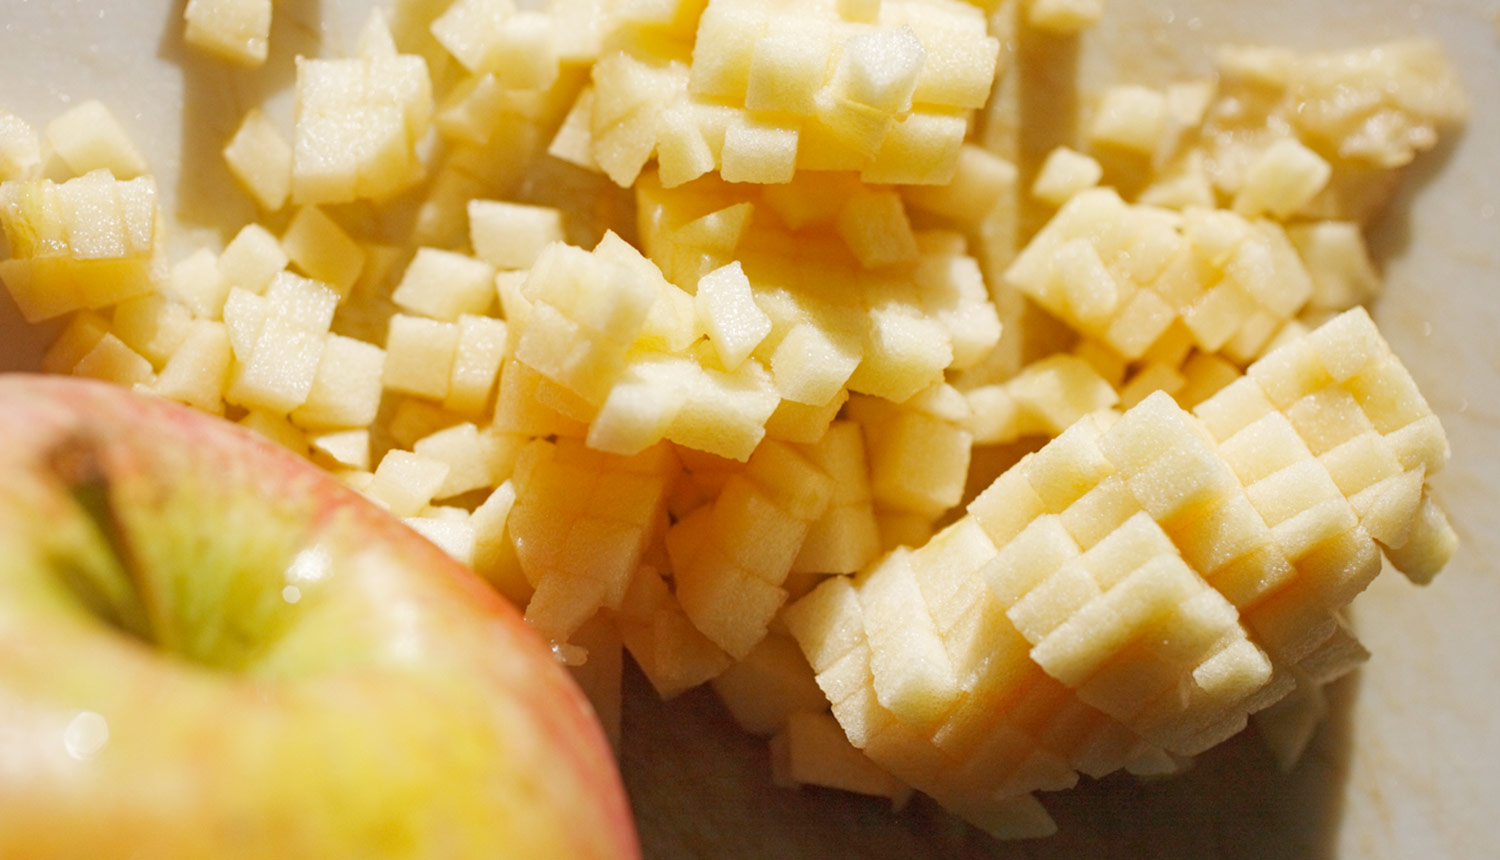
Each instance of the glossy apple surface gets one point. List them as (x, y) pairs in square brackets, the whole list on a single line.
[(210, 649)]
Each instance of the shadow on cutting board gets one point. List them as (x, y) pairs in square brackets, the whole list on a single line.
[(701, 788)]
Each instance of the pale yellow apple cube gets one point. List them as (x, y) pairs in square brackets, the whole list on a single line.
[(523, 55), (112, 361), (1054, 392), (349, 449), (196, 283), (922, 149), (1429, 545), (787, 66), (760, 152), (961, 61), (918, 463), (346, 389), (468, 29), (20, 149), (874, 225), (260, 159), (419, 356), (905, 352), (1053, 601), (512, 235), (573, 142), (252, 258), (1006, 506), (771, 684), (980, 180), (317, 245), (725, 47), (1064, 17), (1068, 466), (85, 243), (1285, 178), (453, 536), (83, 331), (913, 676), (1036, 552), (1262, 447), (1233, 407), (278, 430), (278, 373), (1064, 173), (819, 753), (1338, 261), (827, 622), (244, 315), (483, 345), (476, 459), (879, 68), (1130, 117), (88, 138), (235, 30), (152, 325), (733, 609), (727, 312), (811, 365), (1099, 511), (443, 285), (305, 303), (405, 482), (357, 124)]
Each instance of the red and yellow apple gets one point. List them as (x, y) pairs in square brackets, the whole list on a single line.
[(210, 649)]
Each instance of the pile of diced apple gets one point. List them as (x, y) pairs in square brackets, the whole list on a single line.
[(723, 334)]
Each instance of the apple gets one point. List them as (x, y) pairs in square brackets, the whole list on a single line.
[(210, 649)]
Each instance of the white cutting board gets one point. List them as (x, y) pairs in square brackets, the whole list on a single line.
[(1410, 765)]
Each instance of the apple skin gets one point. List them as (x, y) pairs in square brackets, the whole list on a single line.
[(392, 706)]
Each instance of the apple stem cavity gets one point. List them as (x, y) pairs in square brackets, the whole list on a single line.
[(108, 581)]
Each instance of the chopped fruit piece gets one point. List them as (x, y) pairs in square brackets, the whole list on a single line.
[(235, 30)]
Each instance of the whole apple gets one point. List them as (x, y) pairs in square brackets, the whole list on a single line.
[(208, 648)]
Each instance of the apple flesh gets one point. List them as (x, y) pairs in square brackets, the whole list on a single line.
[(210, 649)]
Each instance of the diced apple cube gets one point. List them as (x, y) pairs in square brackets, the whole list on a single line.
[(277, 429), (874, 225), (235, 30), (347, 387), (317, 245), (512, 235), (252, 258), (759, 152), (728, 313), (112, 361), (278, 373), (476, 459), (260, 158), (922, 149), (810, 365), (86, 243), (880, 68), (1064, 173), (786, 67), (1064, 17), (1285, 178), (1130, 117), (444, 285), (88, 138), (405, 482), (20, 149), (419, 356), (152, 325)]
